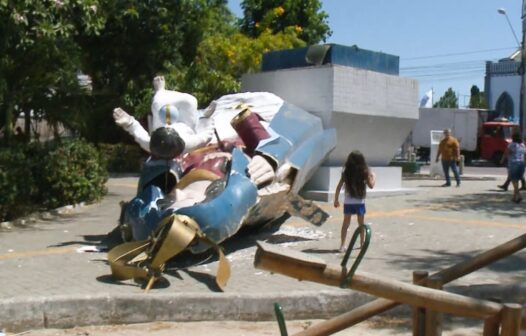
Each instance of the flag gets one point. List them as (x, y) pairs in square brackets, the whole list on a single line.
[(427, 99)]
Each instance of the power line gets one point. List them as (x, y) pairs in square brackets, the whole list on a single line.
[(457, 54), (447, 76), (449, 71), (441, 67)]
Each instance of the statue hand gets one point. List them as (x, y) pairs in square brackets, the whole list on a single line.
[(122, 118), (260, 170), (210, 109), (207, 132)]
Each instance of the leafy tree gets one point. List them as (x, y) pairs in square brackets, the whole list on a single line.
[(305, 16), (448, 100), (38, 57), (222, 59), (477, 98), (140, 40), (122, 45)]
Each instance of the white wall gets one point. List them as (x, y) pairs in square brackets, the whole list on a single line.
[(364, 92), (309, 88), (371, 111)]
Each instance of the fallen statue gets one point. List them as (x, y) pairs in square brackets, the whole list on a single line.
[(238, 163)]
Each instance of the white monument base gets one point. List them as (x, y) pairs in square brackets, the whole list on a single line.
[(322, 185)]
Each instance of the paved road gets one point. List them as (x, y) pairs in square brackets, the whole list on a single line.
[(377, 327), (45, 272)]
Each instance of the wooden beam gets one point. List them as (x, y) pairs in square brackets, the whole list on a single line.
[(481, 260), (342, 321), (274, 259)]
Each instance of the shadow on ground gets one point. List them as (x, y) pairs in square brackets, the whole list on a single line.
[(491, 202), (245, 238), (441, 259)]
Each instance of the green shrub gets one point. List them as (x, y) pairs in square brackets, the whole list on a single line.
[(46, 176), (16, 181), (73, 172), (123, 158), (407, 166)]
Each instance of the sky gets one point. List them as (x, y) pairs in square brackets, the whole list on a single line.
[(441, 43)]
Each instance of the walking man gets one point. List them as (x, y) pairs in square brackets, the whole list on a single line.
[(449, 151)]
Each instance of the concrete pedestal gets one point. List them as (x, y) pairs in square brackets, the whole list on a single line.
[(322, 185), (371, 111)]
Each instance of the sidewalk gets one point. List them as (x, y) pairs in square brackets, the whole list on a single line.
[(50, 281)]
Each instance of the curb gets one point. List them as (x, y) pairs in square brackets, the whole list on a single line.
[(22, 314)]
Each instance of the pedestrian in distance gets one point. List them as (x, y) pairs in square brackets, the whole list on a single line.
[(506, 184), (515, 154), (356, 177), (449, 152)]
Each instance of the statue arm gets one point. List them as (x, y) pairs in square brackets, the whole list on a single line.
[(133, 127)]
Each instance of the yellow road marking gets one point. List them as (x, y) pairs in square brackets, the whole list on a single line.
[(411, 212), (470, 222), (36, 253), (127, 185)]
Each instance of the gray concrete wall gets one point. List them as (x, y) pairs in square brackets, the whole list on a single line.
[(371, 111)]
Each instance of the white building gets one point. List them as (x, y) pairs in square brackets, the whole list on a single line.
[(502, 86)]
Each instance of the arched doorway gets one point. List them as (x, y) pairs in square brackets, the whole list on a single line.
[(504, 106)]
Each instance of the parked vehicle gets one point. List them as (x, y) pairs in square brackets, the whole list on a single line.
[(480, 135)]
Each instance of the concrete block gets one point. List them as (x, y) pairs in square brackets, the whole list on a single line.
[(371, 112), (322, 185)]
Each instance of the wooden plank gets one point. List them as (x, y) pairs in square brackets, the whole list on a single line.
[(481, 260), (293, 256), (342, 321)]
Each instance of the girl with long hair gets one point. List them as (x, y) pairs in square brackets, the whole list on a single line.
[(356, 177)]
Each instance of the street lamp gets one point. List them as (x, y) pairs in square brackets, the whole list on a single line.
[(503, 12)]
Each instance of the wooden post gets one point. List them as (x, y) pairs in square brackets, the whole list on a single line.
[(491, 326), (433, 324), (418, 313), (511, 319)]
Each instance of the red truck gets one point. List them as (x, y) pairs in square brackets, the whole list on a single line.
[(478, 137), (494, 138)]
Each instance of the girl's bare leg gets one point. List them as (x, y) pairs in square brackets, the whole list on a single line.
[(361, 219), (345, 227)]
